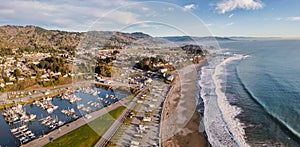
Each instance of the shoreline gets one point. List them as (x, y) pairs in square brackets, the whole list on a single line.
[(235, 127), (190, 134), (222, 122)]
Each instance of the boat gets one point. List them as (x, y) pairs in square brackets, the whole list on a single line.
[(32, 117), (80, 106), (4, 113), (60, 123), (22, 127), (22, 138), (24, 130), (95, 93), (28, 132), (55, 107), (75, 116), (15, 119), (14, 130), (50, 110)]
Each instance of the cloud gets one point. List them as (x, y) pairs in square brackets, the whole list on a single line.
[(189, 7), (56, 15), (231, 15), (294, 18), (208, 24), (122, 17), (6, 11), (169, 9), (230, 24), (230, 5), (145, 9)]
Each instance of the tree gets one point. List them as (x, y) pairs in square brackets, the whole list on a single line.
[(6, 79), (17, 73), (21, 86), (34, 67)]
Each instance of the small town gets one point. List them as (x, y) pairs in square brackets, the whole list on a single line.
[(149, 73), (51, 90)]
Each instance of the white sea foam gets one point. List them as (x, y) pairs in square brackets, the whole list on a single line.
[(221, 126)]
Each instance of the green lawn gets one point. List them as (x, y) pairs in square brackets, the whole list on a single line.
[(88, 134)]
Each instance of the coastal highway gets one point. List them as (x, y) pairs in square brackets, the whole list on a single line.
[(113, 128)]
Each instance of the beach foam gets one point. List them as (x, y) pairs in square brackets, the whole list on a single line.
[(221, 126)]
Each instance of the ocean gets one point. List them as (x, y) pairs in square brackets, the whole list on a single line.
[(251, 94)]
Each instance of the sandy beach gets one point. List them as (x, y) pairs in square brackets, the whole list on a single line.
[(181, 125)]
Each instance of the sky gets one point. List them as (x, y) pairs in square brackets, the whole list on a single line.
[(254, 18)]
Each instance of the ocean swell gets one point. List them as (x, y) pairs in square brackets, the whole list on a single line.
[(221, 126), (273, 114)]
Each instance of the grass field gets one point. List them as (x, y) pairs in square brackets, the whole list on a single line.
[(88, 134)]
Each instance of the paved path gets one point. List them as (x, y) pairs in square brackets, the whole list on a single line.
[(71, 126), (115, 126)]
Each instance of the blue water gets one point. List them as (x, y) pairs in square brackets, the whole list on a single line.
[(267, 88)]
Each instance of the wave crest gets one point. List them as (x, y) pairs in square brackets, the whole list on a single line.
[(221, 126)]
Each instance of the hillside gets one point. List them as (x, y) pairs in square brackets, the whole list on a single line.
[(17, 37), (33, 38), (120, 40)]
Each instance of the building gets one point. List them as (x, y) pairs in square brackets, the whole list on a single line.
[(163, 70), (170, 78)]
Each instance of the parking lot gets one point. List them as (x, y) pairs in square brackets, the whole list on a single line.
[(144, 128)]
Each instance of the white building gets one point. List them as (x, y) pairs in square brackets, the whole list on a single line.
[(163, 70)]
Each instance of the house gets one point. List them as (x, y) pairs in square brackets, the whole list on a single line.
[(46, 79), (2, 85), (56, 74), (163, 70), (170, 78), (43, 76), (9, 83), (21, 78), (147, 119), (108, 81), (151, 105), (12, 78), (148, 81)]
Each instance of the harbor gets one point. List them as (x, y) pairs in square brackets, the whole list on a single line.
[(21, 124)]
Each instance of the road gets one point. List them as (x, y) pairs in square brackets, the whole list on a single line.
[(55, 89), (5, 100), (115, 126), (151, 135)]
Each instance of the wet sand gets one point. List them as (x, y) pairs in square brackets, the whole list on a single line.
[(180, 103)]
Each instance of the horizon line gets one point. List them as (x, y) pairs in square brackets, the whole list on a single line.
[(222, 36)]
